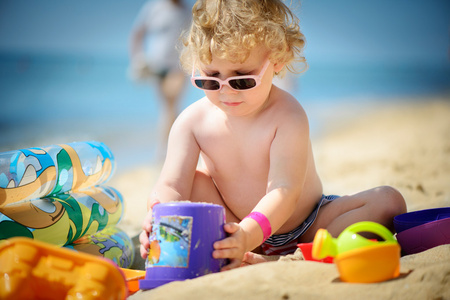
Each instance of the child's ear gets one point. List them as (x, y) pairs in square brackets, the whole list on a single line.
[(277, 67)]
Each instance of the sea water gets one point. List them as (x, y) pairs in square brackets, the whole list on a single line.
[(47, 99)]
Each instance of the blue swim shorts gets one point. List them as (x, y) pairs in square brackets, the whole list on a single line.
[(286, 243)]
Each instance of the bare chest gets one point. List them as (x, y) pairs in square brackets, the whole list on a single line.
[(239, 166), (234, 151)]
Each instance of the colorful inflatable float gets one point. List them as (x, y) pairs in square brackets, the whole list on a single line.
[(55, 194)]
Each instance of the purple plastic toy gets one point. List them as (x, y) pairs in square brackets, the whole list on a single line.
[(425, 236), (412, 219), (181, 242)]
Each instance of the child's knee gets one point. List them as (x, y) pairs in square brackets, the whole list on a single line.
[(394, 203), (203, 187), (202, 180)]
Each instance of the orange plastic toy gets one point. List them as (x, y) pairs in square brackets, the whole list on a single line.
[(357, 258), (133, 277), (370, 264), (30, 269)]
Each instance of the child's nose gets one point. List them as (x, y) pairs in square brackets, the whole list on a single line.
[(227, 89)]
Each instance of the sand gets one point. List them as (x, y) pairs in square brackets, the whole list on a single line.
[(405, 144), (423, 276)]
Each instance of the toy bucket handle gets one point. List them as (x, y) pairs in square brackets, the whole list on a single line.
[(372, 227)]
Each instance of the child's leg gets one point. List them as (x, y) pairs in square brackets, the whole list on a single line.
[(379, 205), (204, 190)]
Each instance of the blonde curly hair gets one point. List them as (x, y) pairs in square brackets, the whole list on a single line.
[(230, 29)]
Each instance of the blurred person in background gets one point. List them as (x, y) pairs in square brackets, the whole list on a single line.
[(154, 56)]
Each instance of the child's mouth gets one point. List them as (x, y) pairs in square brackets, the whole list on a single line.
[(232, 103)]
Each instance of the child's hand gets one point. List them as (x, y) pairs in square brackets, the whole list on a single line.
[(147, 228), (232, 247), (143, 237)]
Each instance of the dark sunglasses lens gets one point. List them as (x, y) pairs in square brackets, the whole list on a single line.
[(243, 84), (207, 84)]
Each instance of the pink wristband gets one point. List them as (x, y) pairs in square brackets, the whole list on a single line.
[(263, 223)]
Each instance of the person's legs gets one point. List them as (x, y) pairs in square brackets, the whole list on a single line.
[(171, 86), (379, 205), (204, 190)]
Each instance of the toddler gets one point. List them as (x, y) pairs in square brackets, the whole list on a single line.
[(253, 138)]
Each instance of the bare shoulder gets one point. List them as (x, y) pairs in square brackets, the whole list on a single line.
[(287, 109), (183, 138), (192, 114)]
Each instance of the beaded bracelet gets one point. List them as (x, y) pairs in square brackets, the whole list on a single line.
[(263, 223)]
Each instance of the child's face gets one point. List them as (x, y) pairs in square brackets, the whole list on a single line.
[(244, 102)]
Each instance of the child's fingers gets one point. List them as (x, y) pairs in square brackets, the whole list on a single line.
[(147, 228), (231, 227), (230, 247), (143, 239), (230, 241), (147, 224), (225, 253), (145, 244), (226, 243), (235, 263), (144, 252)]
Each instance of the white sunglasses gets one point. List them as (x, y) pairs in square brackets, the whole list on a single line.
[(237, 83)]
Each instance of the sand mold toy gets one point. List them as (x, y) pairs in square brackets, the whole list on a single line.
[(39, 172), (181, 242), (359, 259), (36, 270)]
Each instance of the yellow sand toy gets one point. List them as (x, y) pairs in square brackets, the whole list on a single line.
[(359, 259), (30, 269)]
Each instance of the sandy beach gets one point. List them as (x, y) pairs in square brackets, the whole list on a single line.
[(405, 144)]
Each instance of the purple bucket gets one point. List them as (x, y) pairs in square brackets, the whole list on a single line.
[(425, 236), (181, 242), (416, 218)]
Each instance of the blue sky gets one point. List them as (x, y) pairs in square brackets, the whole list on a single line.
[(336, 31)]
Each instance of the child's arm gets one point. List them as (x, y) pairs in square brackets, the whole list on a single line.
[(177, 176), (288, 164)]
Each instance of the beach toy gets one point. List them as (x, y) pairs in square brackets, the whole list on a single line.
[(359, 259), (181, 242), (112, 243), (39, 172), (35, 270), (425, 236), (132, 277), (307, 255), (412, 219), (64, 218)]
